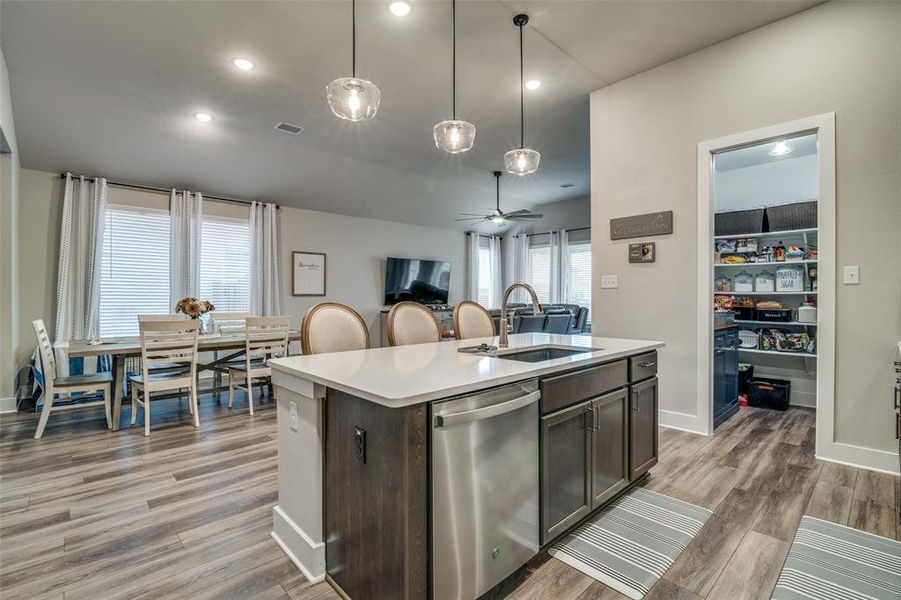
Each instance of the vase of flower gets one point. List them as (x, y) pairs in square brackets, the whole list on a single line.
[(195, 308)]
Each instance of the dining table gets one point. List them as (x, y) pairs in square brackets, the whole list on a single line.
[(230, 345)]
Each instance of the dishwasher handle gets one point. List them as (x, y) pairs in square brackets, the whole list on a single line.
[(487, 412)]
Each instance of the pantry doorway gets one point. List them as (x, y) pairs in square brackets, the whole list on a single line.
[(766, 273)]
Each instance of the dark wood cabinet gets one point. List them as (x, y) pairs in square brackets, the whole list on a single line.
[(609, 446), (642, 427), (565, 468)]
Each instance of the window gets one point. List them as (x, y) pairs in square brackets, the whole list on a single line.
[(135, 275), (485, 276), (540, 272), (579, 275), (225, 263)]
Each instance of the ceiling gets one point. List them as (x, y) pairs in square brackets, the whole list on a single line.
[(759, 154), (110, 88)]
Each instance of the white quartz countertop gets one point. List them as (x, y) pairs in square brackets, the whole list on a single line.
[(407, 375)]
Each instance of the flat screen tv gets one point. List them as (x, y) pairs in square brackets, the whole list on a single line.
[(423, 281)]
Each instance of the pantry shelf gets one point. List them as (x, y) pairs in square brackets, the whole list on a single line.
[(779, 352), (768, 234), (808, 293), (775, 323), (766, 264)]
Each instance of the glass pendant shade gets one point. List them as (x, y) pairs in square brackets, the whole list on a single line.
[(454, 136), (522, 161), (353, 99)]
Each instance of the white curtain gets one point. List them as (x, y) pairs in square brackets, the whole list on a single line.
[(80, 257), (185, 225), (559, 266), (472, 266), (520, 266), (497, 282), (265, 287)]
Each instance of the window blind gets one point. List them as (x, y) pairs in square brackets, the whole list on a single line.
[(579, 288), (485, 276), (540, 272), (225, 263), (135, 274)]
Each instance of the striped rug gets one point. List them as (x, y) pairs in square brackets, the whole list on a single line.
[(632, 543), (833, 562)]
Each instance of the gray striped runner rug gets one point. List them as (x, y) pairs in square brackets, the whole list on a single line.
[(632, 543), (833, 562)]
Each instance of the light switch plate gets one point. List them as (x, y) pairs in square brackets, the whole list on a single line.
[(852, 276), (292, 418), (609, 282)]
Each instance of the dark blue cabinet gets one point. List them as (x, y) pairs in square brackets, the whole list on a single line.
[(725, 374)]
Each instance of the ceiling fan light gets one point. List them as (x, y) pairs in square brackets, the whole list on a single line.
[(353, 99), (522, 161), (454, 136)]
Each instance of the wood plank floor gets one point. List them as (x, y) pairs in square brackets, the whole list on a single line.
[(186, 513)]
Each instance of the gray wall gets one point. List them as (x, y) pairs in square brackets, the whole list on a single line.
[(841, 57), (9, 276)]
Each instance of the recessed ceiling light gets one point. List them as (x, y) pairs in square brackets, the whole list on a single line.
[(533, 84), (203, 117), (245, 64), (780, 149), (400, 9)]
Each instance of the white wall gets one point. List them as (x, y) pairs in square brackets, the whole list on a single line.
[(767, 184), (841, 57)]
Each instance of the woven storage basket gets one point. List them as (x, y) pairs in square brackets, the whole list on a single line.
[(739, 222), (799, 215)]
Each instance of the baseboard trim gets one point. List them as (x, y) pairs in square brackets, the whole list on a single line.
[(863, 458), (681, 421), (8, 405), (307, 555)]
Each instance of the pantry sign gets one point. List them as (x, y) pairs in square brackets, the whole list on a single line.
[(658, 223)]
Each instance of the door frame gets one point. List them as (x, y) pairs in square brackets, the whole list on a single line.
[(824, 126)]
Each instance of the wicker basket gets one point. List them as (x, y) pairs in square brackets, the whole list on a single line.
[(798, 215), (740, 222)]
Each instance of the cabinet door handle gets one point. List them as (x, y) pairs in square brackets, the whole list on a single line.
[(597, 417), (647, 365), (588, 409), (635, 405)]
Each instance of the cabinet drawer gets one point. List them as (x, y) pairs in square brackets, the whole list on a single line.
[(642, 366), (564, 390)]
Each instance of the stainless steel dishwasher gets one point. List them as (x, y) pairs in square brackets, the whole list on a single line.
[(484, 488)]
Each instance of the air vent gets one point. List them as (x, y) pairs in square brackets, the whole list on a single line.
[(289, 128), (567, 185)]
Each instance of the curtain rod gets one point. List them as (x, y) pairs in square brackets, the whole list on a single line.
[(159, 189), (555, 231)]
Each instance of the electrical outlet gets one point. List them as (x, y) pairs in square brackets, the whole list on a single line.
[(852, 276), (360, 444), (292, 415), (609, 282)]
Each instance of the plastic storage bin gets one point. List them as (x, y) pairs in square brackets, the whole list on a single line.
[(769, 393)]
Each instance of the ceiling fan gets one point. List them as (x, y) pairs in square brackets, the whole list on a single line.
[(497, 216)]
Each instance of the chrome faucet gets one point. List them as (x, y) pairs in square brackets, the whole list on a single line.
[(505, 327)]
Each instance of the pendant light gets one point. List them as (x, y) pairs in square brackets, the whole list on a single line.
[(454, 136), (349, 97), (522, 160)]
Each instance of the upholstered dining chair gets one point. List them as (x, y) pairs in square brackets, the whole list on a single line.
[(333, 327), (166, 342), (472, 320), (64, 387), (264, 338), (412, 323)]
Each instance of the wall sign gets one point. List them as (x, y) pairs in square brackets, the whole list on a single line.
[(644, 252), (307, 274), (658, 223)]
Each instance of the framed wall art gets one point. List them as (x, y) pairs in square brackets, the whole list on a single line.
[(308, 274)]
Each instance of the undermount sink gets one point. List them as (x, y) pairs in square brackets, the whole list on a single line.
[(543, 353)]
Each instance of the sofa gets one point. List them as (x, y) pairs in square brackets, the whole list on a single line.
[(569, 319)]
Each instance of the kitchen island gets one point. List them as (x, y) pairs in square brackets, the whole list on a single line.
[(422, 471)]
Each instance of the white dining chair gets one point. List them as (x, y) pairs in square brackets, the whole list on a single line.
[(166, 342), (412, 323), (332, 327), (66, 386), (225, 323), (472, 320), (265, 338)]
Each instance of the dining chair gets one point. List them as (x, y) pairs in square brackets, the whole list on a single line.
[(165, 342), (264, 338), (412, 323), (66, 386), (472, 320), (225, 323), (332, 327)]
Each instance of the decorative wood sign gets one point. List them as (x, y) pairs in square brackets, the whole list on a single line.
[(658, 223), (307, 274), (644, 252)]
